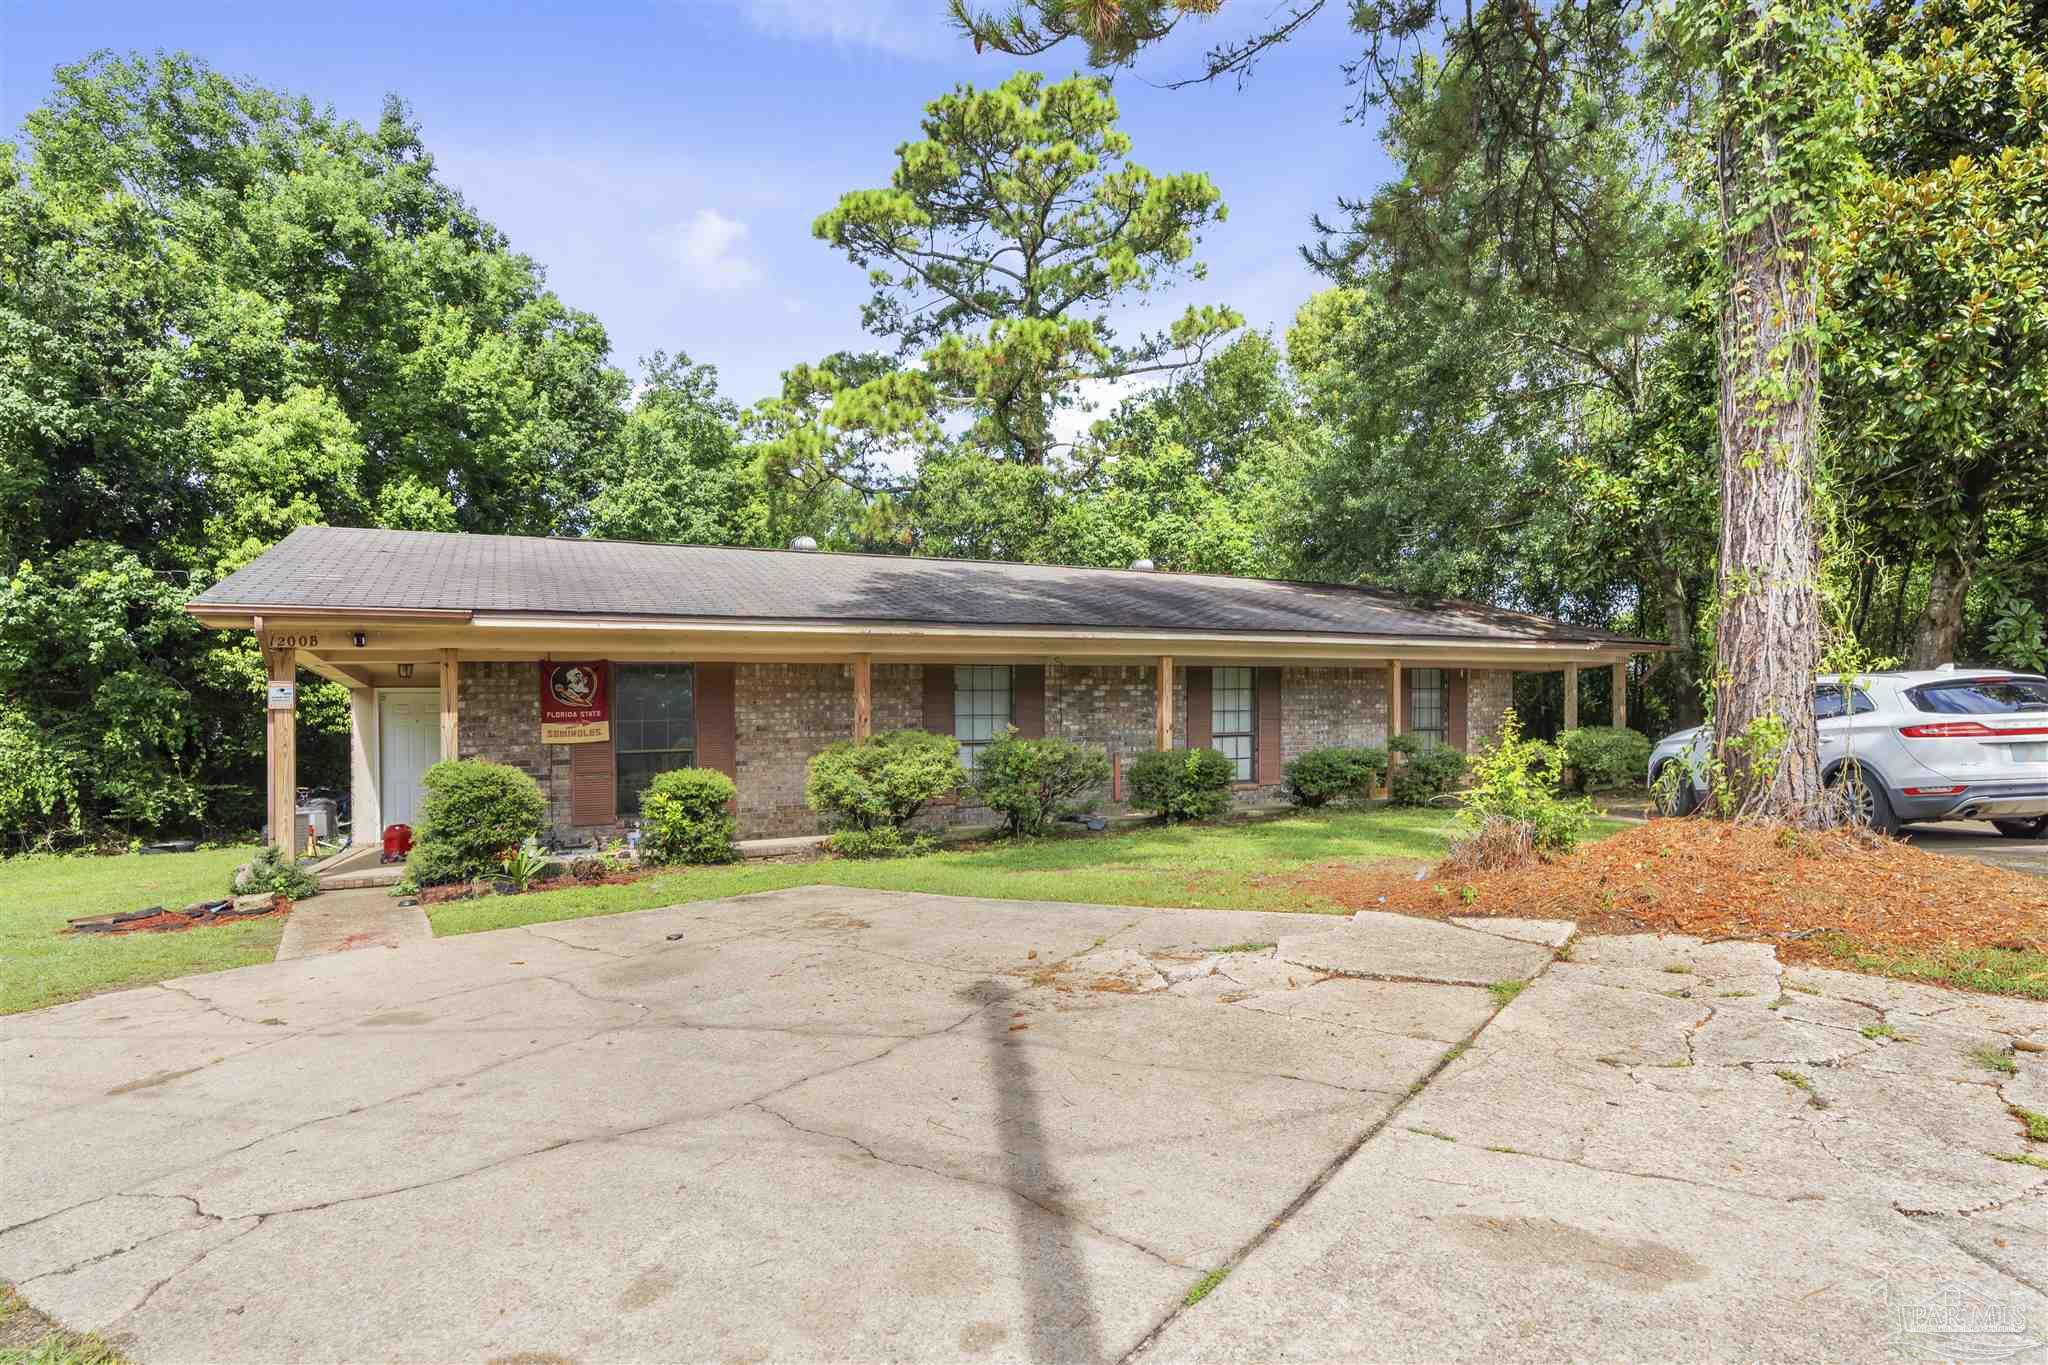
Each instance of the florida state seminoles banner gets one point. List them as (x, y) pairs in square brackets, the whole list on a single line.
[(575, 703)]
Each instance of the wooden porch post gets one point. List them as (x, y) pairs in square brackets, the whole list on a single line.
[(451, 721), (1165, 708), (863, 697), (1393, 697), (281, 766), (1571, 696), (1621, 694)]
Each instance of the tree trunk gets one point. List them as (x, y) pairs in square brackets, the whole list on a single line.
[(1939, 630), (1678, 631), (1767, 636)]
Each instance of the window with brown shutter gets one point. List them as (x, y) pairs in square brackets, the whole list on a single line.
[(1455, 693), (717, 719), (1200, 722), (593, 784), (938, 698), (1027, 704), (1268, 712)]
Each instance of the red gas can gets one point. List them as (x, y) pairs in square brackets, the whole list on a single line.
[(397, 842)]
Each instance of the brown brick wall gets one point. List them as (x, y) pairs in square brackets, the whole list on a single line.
[(1488, 694), (498, 707), (787, 712)]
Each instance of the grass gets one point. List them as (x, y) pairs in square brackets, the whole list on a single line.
[(1994, 971), (1203, 1287), (29, 1338), (1804, 1086), (2039, 1163), (1886, 1031), (1238, 866), (2036, 1125), (1248, 946), (39, 966), (1993, 1058), (1505, 991)]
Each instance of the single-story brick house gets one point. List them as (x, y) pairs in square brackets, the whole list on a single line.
[(593, 665)]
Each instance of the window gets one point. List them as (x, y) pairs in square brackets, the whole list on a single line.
[(654, 725), (1981, 696), (981, 707), (1827, 703), (1230, 717), (1427, 713)]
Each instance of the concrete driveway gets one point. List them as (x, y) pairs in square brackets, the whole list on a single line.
[(1976, 839), (827, 1124)]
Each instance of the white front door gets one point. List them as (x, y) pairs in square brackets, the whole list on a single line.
[(408, 743)]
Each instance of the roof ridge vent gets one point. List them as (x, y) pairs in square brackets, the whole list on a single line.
[(1143, 566), (804, 543)]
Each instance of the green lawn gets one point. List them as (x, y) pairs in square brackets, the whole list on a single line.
[(39, 966), (1240, 866)]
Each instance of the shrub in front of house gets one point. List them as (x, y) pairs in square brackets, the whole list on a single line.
[(883, 841), (1182, 784), (1428, 770), (1605, 756), (686, 817), (1321, 776), (1512, 808), (1033, 782), (271, 871), (471, 813), (882, 782)]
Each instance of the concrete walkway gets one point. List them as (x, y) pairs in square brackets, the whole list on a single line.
[(336, 921)]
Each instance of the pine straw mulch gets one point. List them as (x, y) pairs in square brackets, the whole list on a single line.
[(1715, 880)]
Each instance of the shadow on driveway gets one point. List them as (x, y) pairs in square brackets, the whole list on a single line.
[(1973, 839), (1054, 1275)]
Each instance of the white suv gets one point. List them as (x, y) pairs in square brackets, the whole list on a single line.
[(1939, 744)]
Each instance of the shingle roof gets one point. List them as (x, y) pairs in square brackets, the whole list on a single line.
[(342, 568)]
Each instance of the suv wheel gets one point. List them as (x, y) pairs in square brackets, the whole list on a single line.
[(1866, 801), (1683, 798), (2036, 828)]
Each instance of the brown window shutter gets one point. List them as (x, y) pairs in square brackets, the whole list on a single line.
[(1266, 716), (1027, 700), (593, 784), (717, 722), (1201, 709), (1455, 717), (938, 698)]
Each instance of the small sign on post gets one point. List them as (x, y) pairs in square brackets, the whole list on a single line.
[(283, 696)]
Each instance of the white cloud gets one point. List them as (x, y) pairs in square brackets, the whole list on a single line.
[(709, 250), (905, 28)]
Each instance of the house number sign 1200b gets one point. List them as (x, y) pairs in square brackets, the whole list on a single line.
[(295, 642)]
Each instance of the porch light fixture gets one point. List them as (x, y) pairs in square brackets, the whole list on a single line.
[(405, 670), (361, 639)]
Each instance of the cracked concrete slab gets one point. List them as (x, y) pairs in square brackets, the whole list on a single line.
[(1615, 1171), (1375, 944), (818, 1123)]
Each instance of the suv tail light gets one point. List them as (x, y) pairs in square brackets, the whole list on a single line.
[(1948, 729), (1969, 729), (1935, 791)]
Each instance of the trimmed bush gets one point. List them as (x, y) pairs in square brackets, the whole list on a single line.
[(1182, 784), (1321, 776), (885, 781), (1512, 808), (686, 817), (1431, 770), (1606, 756), (471, 814), (883, 841), (271, 871), (1032, 782)]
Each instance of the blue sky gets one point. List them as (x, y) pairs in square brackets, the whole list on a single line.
[(664, 160)]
